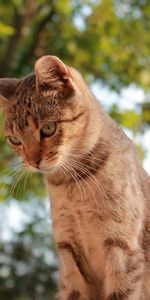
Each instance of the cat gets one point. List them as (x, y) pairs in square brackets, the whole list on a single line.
[(99, 191)]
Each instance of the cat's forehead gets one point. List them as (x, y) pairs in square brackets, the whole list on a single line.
[(28, 102), (26, 88)]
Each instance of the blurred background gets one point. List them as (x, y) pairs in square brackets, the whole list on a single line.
[(108, 41)]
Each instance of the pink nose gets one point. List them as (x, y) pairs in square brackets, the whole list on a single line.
[(33, 155), (35, 164)]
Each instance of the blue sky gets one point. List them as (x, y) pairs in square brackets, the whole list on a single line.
[(128, 99)]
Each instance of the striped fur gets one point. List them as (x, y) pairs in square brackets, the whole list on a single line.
[(99, 192)]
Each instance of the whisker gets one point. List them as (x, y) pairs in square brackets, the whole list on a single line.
[(16, 177), (25, 182), (90, 190), (93, 179), (81, 163), (16, 164), (88, 185), (19, 181), (7, 175), (62, 169), (75, 179), (4, 171), (85, 157), (79, 183)]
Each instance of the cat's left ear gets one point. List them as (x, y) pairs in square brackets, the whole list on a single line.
[(53, 74), (7, 89)]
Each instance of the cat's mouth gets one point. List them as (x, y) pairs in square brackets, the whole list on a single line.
[(44, 169), (31, 168)]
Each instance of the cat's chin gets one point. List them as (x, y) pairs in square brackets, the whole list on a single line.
[(31, 169), (39, 170), (43, 169), (47, 170)]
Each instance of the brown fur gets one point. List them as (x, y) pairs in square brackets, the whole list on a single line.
[(100, 194)]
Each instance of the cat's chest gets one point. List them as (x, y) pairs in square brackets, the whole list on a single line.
[(75, 225), (72, 213)]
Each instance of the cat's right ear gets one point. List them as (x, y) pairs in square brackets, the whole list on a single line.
[(52, 73), (7, 89)]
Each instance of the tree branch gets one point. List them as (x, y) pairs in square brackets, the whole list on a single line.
[(6, 61), (29, 51)]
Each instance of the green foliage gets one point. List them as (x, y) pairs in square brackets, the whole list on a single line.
[(6, 30), (28, 264), (108, 41), (102, 44), (146, 113), (129, 119)]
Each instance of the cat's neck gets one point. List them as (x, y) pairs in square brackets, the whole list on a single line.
[(101, 138), (82, 166), (96, 147)]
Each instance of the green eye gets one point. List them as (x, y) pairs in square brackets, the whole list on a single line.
[(48, 129), (14, 140)]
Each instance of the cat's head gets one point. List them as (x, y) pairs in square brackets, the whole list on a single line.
[(46, 114)]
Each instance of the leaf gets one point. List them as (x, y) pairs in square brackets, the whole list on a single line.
[(6, 30)]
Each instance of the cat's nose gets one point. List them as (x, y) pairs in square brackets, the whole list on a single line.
[(33, 154), (37, 163)]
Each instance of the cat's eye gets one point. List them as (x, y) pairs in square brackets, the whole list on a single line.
[(48, 129), (14, 140)]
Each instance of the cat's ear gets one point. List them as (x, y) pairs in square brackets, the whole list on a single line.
[(52, 73), (7, 89)]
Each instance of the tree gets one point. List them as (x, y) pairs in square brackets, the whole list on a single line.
[(103, 45), (93, 36), (28, 263), (108, 42)]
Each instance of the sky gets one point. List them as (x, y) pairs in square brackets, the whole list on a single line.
[(128, 99)]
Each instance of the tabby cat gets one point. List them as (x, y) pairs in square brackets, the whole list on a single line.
[(100, 194)]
